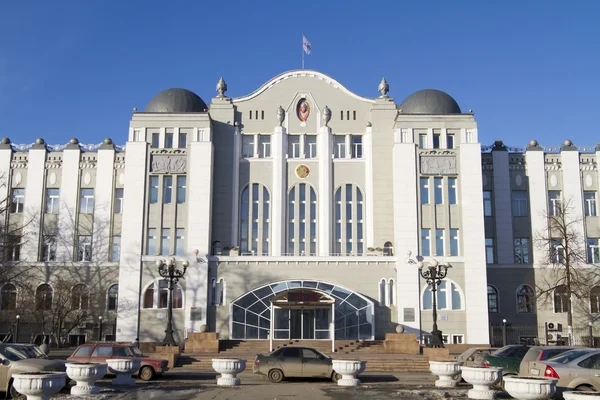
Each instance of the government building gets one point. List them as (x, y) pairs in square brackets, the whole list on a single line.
[(302, 211)]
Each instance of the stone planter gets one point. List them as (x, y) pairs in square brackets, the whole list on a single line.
[(583, 395), (228, 368), (123, 368), (85, 374), (482, 379), (349, 369), (530, 388), (39, 385), (446, 371)]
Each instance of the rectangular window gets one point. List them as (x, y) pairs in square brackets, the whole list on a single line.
[(155, 138), (119, 201), (52, 199), (519, 203), (593, 251), (449, 141), (489, 250), (168, 141), (436, 141), (457, 339), (12, 248), (167, 189), (558, 251), (422, 141), (116, 248), (438, 185), (554, 203), (354, 115), (356, 146), (264, 146), (342, 115), (521, 251), (439, 242), (151, 247), (487, 203), (179, 241), (451, 190), (49, 248), (84, 252), (293, 146), (590, 204), (310, 146), (182, 140), (153, 189), (86, 201), (248, 145), (181, 187), (425, 239), (424, 185), (339, 146), (165, 241), (454, 242), (18, 201)]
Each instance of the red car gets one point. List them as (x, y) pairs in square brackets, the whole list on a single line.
[(100, 352)]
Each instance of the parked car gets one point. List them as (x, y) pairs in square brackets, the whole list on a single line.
[(473, 357), (508, 357), (540, 353), (15, 358), (294, 361), (577, 369), (100, 352)]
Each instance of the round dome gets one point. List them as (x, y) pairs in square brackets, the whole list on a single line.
[(430, 101), (176, 101)]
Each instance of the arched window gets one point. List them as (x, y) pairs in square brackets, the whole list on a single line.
[(595, 300), (391, 292), (561, 299), (388, 249), (113, 296), (43, 297), (449, 296), (492, 299), (80, 296), (9, 297), (382, 292), (349, 220), (302, 220), (156, 295), (254, 220), (525, 299)]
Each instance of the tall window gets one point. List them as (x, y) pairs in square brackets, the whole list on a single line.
[(590, 204), (356, 146), (489, 251), (525, 299), (438, 184), (436, 141), (168, 141), (264, 146), (113, 297), (167, 189), (302, 220), (558, 251), (439, 242), (156, 295), (449, 141), (561, 299), (293, 146), (425, 242), (86, 201), (593, 251), (80, 297), (422, 141), (181, 187), (382, 285), (155, 139), (153, 190), (18, 201), (424, 186), (519, 203), (492, 299), (151, 247), (254, 220), (310, 146), (12, 248), (349, 220), (179, 241), (84, 252), (454, 242), (487, 203), (182, 140), (339, 146), (391, 292), (521, 250), (119, 201), (451, 190), (43, 297), (52, 200), (165, 242), (247, 146), (449, 296), (116, 248), (554, 203), (49, 248), (595, 300), (8, 297)]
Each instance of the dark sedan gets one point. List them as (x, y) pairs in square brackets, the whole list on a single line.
[(296, 362)]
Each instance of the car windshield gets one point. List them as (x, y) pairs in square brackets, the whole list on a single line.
[(567, 357), (504, 351), (13, 354)]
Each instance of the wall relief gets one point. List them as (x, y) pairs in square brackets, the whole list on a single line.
[(166, 164), (438, 165)]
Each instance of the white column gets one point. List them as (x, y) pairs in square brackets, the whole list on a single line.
[(368, 155), (502, 208), (278, 191), (132, 235), (332, 327), (175, 138), (325, 190), (573, 196), (103, 210), (235, 186), (271, 331), (34, 201), (538, 201), (68, 207)]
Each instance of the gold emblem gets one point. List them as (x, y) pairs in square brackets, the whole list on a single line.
[(302, 171)]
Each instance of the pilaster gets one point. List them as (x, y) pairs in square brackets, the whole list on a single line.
[(538, 201), (68, 209), (369, 191), (279, 190), (325, 190), (34, 201), (103, 205), (573, 194)]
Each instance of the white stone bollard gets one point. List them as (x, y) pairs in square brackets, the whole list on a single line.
[(349, 369), (228, 368), (482, 379), (85, 375), (39, 385), (123, 368)]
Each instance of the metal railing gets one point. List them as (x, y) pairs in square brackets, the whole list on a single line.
[(503, 334)]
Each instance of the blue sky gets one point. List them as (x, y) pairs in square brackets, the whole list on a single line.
[(528, 69)]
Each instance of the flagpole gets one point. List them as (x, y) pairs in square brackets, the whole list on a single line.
[(302, 48)]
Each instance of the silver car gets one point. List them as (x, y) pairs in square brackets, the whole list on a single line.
[(577, 369)]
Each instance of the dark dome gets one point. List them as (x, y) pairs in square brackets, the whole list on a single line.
[(176, 101), (430, 101)]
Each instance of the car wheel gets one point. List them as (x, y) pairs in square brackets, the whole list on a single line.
[(336, 377), (14, 394), (585, 388), (275, 375), (147, 373)]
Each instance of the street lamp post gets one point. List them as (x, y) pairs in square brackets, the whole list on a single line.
[(433, 275), (168, 270), (504, 332), (100, 329), (16, 338)]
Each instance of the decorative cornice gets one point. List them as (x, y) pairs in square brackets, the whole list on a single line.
[(61, 147)]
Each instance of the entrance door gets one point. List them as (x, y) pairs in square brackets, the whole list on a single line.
[(302, 324)]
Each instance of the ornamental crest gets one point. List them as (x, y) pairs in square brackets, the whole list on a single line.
[(303, 110), (302, 171)]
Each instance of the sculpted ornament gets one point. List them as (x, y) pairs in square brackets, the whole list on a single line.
[(221, 87), (280, 115), (383, 88), (438, 165), (165, 164), (325, 116)]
